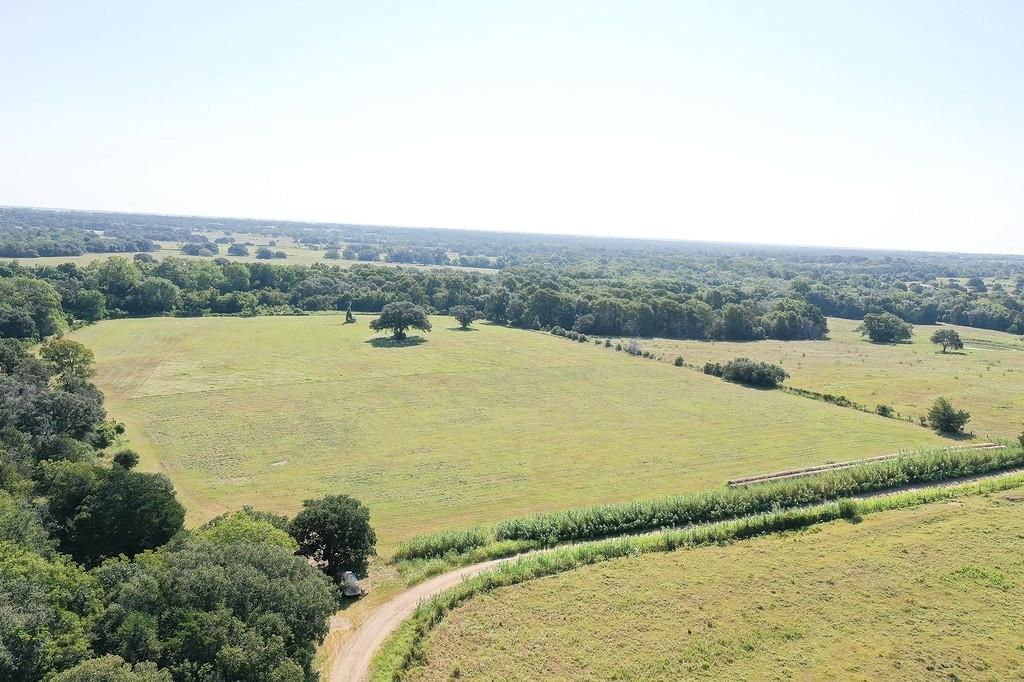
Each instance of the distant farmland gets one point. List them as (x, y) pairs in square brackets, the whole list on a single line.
[(986, 378), (468, 427), (933, 592)]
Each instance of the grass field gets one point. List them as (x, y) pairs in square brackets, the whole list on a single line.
[(932, 592), (298, 254), (465, 428), (986, 378)]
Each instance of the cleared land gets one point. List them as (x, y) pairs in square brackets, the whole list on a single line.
[(933, 592), (465, 428), (298, 254), (986, 378)]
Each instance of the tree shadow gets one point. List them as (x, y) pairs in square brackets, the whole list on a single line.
[(460, 329), (388, 342), (955, 436), (950, 352)]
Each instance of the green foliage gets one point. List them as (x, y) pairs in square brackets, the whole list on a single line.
[(113, 669), (47, 609), (885, 328), (238, 250), (884, 410), (334, 531), (100, 513), (398, 317), (465, 314), (20, 524), (943, 417), (244, 527), (947, 338), (29, 308), (70, 358), (678, 362), (723, 503), (749, 372), (438, 544), (211, 611), (89, 305), (126, 459)]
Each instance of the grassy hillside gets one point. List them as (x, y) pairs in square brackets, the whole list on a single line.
[(932, 592), (986, 378), (467, 427)]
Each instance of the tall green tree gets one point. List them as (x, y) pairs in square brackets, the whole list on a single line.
[(335, 532), (947, 338), (399, 317), (885, 328)]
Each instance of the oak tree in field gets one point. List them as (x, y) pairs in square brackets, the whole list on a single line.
[(945, 418), (885, 328), (400, 316), (334, 531), (238, 250), (465, 314), (947, 338)]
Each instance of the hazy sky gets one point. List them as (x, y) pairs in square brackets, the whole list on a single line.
[(886, 124)]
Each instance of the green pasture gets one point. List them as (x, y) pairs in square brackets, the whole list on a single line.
[(927, 593), (986, 378), (467, 427)]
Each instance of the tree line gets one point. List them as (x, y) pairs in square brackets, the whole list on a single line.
[(100, 581)]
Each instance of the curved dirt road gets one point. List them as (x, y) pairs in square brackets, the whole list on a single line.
[(352, 661)]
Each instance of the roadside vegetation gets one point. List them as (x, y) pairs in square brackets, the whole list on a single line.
[(408, 648), (586, 523)]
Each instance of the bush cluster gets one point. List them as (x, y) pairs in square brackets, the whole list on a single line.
[(749, 372), (570, 334)]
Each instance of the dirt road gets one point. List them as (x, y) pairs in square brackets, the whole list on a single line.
[(352, 662)]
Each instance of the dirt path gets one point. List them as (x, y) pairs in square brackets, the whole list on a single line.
[(352, 661)]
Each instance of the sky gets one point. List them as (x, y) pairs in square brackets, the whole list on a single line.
[(870, 124)]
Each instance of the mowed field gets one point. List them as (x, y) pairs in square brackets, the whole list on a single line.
[(986, 378), (467, 427), (929, 593)]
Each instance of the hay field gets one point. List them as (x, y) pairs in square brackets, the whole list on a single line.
[(986, 378), (468, 427)]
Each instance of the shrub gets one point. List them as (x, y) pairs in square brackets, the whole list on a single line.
[(752, 373), (678, 362), (884, 410), (713, 369), (945, 418)]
